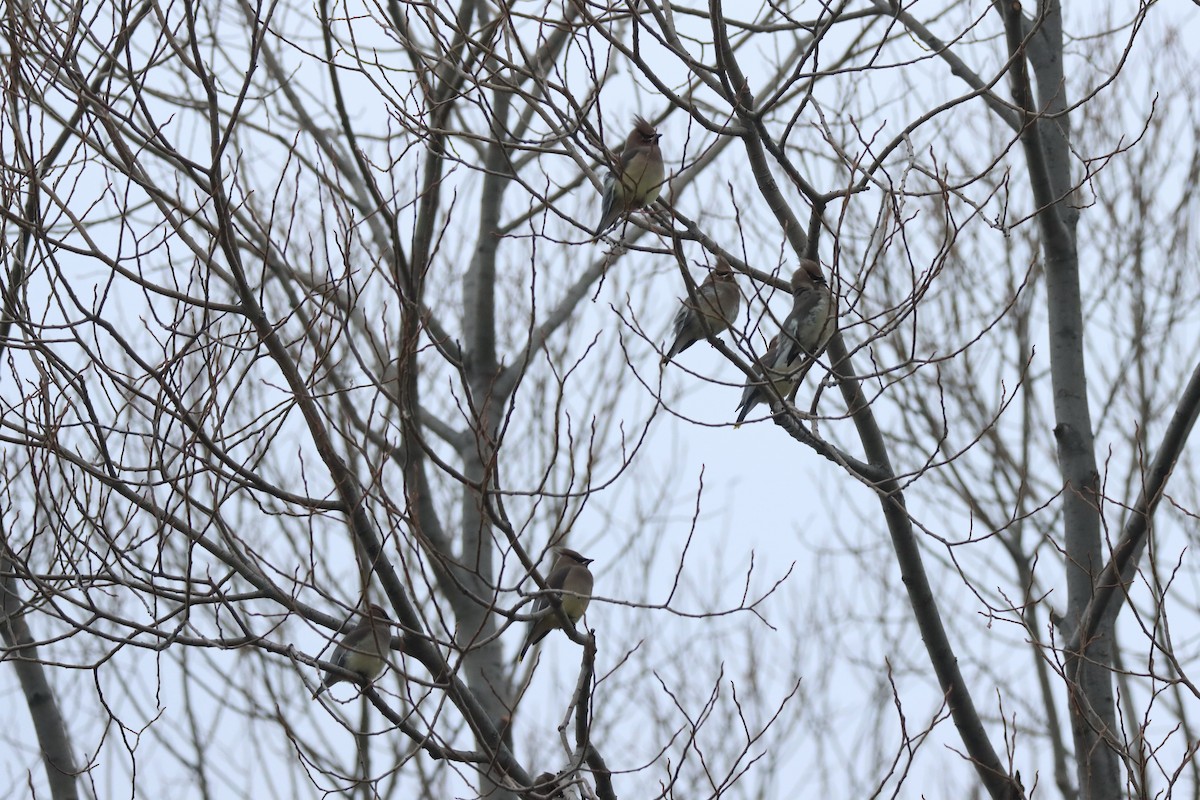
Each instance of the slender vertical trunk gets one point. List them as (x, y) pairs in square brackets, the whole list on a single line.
[(53, 737), (486, 672), (1046, 136)]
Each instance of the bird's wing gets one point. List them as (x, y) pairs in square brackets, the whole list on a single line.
[(610, 210), (790, 348), (358, 640), (558, 577), (682, 316)]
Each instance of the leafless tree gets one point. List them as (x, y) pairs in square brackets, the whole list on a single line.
[(303, 308)]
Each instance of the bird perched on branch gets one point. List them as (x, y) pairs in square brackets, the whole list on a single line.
[(717, 303), (363, 650), (571, 581), (638, 177), (546, 787), (755, 391), (801, 339)]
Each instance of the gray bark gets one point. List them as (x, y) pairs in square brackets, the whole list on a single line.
[(1045, 137), (20, 649)]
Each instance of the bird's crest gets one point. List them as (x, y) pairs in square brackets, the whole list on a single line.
[(809, 271), (645, 129), (574, 556)]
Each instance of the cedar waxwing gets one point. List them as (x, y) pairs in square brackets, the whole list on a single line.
[(801, 338), (546, 787), (571, 580), (363, 649), (756, 392), (718, 300), (638, 178)]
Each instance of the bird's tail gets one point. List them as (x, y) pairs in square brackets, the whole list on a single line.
[(608, 223), (749, 401)]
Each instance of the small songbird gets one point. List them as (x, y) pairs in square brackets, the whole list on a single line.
[(546, 787), (801, 339), (571, 581), (363, 649), (807, 329), (717, 303), (638, 178), (756, 392)]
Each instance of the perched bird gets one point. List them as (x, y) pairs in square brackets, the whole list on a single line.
[(571, 581), (546, 787), (756, 392), (717, 303), (804, 333), (363, 649), (638, 177), (807, 329)]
